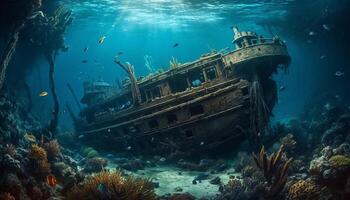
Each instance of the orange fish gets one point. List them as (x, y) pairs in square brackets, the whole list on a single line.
[(51, 180)]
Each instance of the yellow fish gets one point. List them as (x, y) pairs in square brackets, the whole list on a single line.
[(30, 137), (43, 94), (102, 39)]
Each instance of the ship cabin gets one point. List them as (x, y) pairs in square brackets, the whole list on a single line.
[(185, 78)]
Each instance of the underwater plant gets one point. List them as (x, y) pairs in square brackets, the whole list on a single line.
[(53, 149), (39, 162), (112, 185), (274, 170)]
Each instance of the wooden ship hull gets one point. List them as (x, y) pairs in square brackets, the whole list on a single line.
[(205, 106)]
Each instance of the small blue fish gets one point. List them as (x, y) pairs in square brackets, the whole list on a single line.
[(282, 88), (326, 27), (339, 73), (312, 33)]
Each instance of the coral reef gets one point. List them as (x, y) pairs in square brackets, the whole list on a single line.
[(96, 164), (106, 185), (53, 149), (303, 190), (38, 161)]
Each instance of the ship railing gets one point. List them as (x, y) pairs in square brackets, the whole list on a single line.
[(259, 41)]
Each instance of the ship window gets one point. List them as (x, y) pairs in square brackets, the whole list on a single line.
[(153, 93), (171, 118), (196, 110), (211, 73), (196, 78), (178, 84), (189, 133), (156, 92), (153, 124)]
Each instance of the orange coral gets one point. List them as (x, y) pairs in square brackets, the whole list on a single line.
[(38, 157), (53, 149), (117, 187), (303, 190)]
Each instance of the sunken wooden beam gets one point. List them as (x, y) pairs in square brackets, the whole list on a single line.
[(74, 96), (54, 121), (135, 90)]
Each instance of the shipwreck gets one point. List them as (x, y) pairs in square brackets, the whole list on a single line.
[(215, 102)]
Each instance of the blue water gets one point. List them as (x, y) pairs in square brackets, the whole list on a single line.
[(151, 27)]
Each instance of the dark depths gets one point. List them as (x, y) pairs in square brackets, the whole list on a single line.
[(318, 141)]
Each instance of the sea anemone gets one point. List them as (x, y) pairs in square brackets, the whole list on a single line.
[(115, 187), (38, 157)]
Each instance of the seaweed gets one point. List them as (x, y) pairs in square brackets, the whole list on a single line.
[(274, 170)]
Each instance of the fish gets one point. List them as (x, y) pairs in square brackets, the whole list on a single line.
[(128, 148), (102, 188), (120, 53), (322, 57), (202, 143), (29, 137), (282, 88), (339, 73), (86, 49), (326, 27), (176, 45), (84, 61), (81, 136), (102, 39), (312, 33), (43, 94), (51, 180)]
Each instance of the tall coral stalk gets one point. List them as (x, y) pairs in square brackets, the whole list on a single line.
[(54, 121), (274, 170)]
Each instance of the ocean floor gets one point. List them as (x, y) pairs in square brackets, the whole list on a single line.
[(172, 180)]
